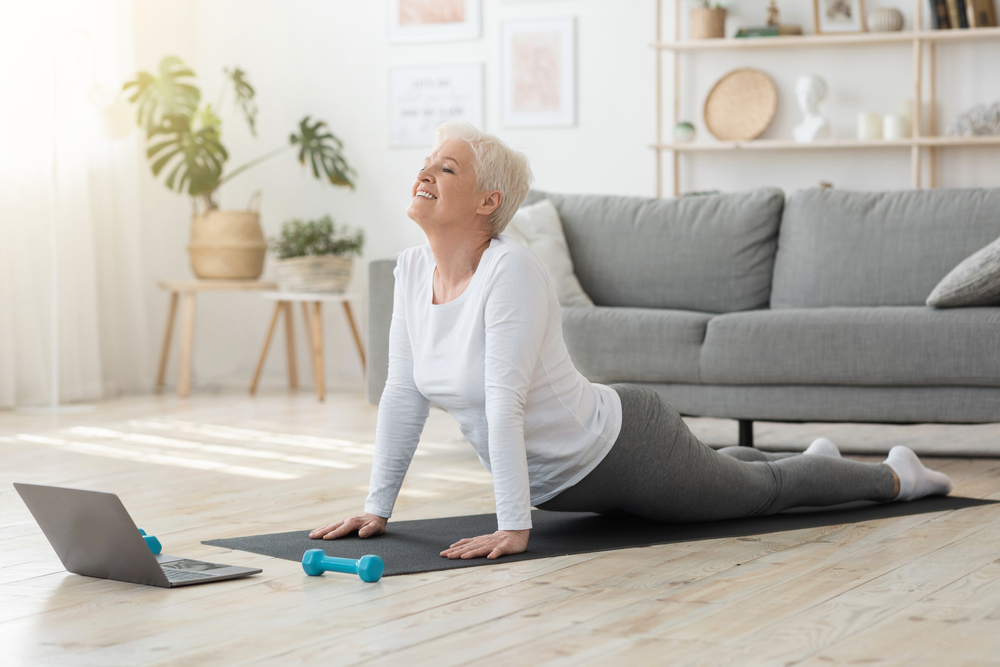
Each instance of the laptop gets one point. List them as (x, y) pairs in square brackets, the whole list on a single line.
[(94, 535)]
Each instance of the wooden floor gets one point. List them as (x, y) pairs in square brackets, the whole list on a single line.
[(916, 590)]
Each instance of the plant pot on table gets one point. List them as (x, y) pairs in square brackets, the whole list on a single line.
[(708, 23), (313, 273), (227, 245)]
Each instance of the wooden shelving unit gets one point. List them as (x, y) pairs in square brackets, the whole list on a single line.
[(919, 40)]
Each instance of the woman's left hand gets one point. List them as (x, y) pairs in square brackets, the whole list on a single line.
[(500, 543)]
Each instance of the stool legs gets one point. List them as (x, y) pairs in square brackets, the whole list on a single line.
[(278, 308), (293, 371), (357, 338), (161, 374), (318, 350), (187, 343), (313, 319), (314, 331)]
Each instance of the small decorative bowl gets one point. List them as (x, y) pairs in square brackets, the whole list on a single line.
[(683, 132)]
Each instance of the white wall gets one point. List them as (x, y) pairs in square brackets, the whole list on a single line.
[(330, 59)]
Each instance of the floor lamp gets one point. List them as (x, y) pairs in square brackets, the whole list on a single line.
[(55, 407)]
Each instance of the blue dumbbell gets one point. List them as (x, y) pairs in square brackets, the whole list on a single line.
[(315, 562), (151, 542)]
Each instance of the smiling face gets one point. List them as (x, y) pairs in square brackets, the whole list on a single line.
[(444, 193)]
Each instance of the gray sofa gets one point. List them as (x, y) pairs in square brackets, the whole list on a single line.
[(753, 307)]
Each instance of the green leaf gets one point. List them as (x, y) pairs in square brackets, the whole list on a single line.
[(299, 238), (324, 152), (244, 96), (197, 155), (169, 93)]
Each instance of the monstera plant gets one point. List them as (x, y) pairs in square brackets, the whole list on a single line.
[(184, 142)]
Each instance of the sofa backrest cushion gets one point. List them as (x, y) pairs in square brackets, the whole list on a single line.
[(840, 248), (712, 253)]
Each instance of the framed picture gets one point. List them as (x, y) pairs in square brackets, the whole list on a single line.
[(423, 97), (538, 72), (433, 20), (839, 16)]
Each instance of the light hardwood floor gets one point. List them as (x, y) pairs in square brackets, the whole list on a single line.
[(915, 590)]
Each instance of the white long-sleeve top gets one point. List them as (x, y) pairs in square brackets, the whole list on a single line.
[(495, 359)]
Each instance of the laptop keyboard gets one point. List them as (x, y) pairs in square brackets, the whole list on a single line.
[(183, 575)]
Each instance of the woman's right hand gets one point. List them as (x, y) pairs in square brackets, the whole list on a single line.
[(366, 525)]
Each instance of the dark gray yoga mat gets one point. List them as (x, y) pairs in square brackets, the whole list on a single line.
[(408, 547)]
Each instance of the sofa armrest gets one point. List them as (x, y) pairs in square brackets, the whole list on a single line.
[(381, 285)]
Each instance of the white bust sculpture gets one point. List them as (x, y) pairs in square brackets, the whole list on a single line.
[(811, 90)]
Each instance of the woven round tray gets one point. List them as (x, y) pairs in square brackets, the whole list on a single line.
[(741, 105)]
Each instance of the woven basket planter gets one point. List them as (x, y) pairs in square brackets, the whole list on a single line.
[(708, 23), (227, 245), (324, 273)]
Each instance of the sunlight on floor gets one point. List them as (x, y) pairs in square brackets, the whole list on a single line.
[(151, 457)]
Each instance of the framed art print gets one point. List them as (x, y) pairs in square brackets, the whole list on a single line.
[(538, 72), (839, 16), (423, 97), (433, 20)]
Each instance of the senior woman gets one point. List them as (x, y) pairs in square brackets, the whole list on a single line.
[(476, 329)]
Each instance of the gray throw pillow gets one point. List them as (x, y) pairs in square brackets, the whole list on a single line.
[(974, 282)]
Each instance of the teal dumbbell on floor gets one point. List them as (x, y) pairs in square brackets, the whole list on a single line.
[(315, 562), (151, 542)]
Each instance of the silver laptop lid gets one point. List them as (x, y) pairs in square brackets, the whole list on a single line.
[(92, 534)]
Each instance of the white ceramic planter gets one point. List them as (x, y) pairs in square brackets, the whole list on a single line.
[(324, 273)]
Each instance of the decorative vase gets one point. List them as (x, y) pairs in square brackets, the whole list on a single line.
[(708, 23), (684, 132), (313, 273), (885, 19), (227, 245)]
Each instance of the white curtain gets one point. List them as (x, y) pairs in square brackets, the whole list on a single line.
[(62, 63)]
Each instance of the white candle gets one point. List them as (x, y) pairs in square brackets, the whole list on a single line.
[(893, 127), (905, 109), (869, 126)]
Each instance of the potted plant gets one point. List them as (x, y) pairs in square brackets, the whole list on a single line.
[(708, 21), (184, 140), (315, 256)]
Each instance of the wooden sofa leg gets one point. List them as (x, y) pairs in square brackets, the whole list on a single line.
[(746, 433)]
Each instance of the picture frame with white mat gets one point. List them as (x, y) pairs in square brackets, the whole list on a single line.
[(839, 16), (422, 97), (538, 72), (433, 20)]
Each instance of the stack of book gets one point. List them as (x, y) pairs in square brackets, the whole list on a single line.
[(770, 31), (950, 14)]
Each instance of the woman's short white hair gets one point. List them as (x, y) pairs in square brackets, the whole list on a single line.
[(497, 166)]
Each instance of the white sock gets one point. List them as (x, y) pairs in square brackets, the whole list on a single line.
[(916, 481), (823, 447)]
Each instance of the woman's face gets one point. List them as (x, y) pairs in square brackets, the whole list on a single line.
[(445, 188)]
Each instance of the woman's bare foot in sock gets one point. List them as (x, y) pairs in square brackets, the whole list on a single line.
[(915, 480), (822, 447)]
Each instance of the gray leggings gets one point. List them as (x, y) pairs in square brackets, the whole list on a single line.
[(658, 469)]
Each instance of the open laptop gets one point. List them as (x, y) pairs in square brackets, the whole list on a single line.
[(94, 535)]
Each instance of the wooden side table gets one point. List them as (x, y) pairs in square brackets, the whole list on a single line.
[(186, 291), (311, 301)]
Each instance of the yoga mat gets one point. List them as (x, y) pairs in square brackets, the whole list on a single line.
[(408, 547)]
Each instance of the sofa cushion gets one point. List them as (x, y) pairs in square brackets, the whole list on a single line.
[(974, 282), (538, 227), (634, 344), (888, 346), (710, 253), (839, 248)]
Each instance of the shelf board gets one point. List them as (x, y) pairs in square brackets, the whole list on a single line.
[(828, 144), (907, 37), (958, 141)]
